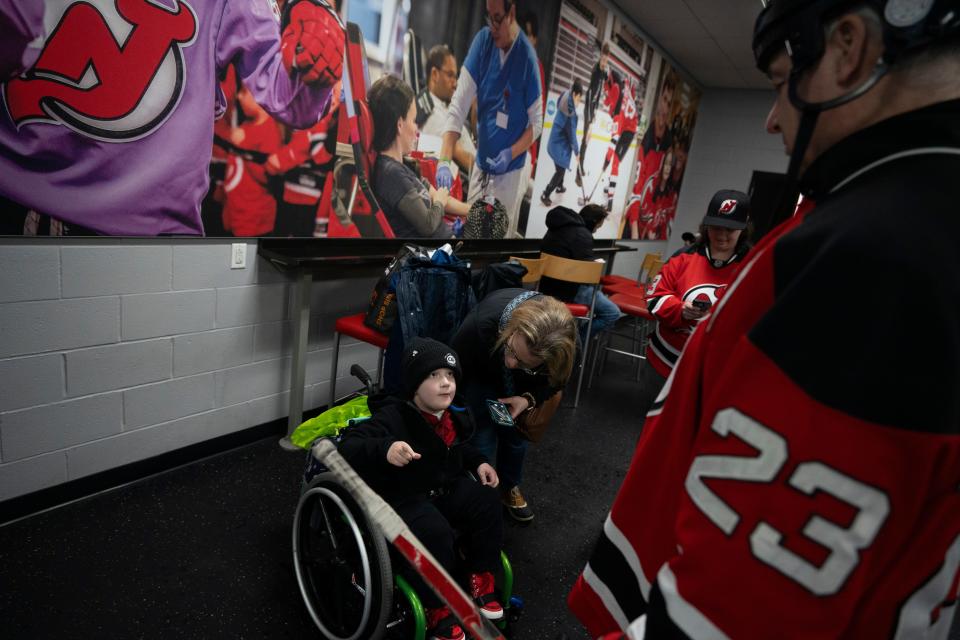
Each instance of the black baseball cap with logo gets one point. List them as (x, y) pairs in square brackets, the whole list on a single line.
[(729, 209)]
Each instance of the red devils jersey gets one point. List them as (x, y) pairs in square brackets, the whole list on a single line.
[(305, 154), (251, 209), (651, 155), (799, 475), (686, 277), (656, 217), (612, 96), (627, 118)]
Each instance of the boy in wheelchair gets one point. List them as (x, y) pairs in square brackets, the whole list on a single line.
[(414, 452)]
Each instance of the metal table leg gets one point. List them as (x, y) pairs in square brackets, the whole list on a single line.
[(298, 366)]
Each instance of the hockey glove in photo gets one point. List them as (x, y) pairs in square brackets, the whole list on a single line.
[(313, 41)]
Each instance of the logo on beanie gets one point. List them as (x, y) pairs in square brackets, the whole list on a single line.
[(451, 360), (727, 207)]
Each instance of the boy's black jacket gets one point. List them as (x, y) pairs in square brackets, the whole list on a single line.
[(365, 447)]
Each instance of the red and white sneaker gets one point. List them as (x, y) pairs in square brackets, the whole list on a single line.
[(441, 625), (482, 590)]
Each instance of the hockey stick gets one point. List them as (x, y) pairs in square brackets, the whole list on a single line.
[(596, 184), (583, 150), (583, 193), (399, 535)]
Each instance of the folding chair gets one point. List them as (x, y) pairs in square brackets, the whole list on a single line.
[(640, 280), (653, 270), (579, 272), (534, 268)]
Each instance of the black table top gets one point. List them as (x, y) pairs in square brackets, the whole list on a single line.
[(339, 254)]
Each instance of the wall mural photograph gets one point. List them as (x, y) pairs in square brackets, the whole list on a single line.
[(427, 119)]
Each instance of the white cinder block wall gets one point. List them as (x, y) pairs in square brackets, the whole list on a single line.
[(113, 351), (730, 142)]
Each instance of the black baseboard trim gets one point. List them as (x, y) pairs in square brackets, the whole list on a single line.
[(72, 490)]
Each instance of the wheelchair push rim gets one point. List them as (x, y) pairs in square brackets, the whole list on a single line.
[(341, 564)]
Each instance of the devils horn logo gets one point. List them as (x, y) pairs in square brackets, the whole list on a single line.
[(111, 69), (727, 207)]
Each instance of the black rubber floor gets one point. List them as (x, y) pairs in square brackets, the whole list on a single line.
[(203, 551)]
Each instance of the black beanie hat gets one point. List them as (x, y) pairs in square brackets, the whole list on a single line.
[(423, 356)]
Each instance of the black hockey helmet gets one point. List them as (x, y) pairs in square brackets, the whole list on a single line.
[(797, 26)]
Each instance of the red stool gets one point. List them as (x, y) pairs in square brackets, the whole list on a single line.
[(627, 288), (353, 326), (634, 305), (578, 311), (614, 279)]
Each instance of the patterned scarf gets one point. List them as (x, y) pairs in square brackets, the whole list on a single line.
[(508, 381)]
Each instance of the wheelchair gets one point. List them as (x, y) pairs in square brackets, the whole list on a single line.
[(344, 567)]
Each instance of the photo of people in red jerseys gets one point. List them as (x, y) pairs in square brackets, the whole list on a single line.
[(662, 160), (268, 86), (132, 154), (633, 124), (267, 179)]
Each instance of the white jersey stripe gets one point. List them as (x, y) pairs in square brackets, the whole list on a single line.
[(307, 191), (629, 553), (924, 151), (686, 616), (237, 175), (606, 596), (638, 628), (669, 347), (660, 302)]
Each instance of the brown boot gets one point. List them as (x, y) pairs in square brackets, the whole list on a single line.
[(516, 506)]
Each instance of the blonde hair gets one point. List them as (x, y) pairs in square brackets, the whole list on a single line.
[(550, 332)]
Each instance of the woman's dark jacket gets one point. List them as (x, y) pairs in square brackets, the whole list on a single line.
[(481, 364), (365, 447), (568, 237), (406, 202)]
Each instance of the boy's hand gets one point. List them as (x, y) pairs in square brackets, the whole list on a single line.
[(488, 475), (400, 454)]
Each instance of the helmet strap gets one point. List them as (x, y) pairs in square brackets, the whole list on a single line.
[(810, 111)]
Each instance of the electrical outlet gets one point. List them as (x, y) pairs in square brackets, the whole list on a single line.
[(238, 255)]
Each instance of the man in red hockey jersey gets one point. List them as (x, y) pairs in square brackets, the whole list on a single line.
[(624, 129), (799, 474), (653, 148)]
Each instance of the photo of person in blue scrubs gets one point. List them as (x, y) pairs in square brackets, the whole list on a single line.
[(501, 71)]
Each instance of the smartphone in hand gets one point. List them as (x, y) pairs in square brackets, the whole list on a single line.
[(500, 413), (702, 305)]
